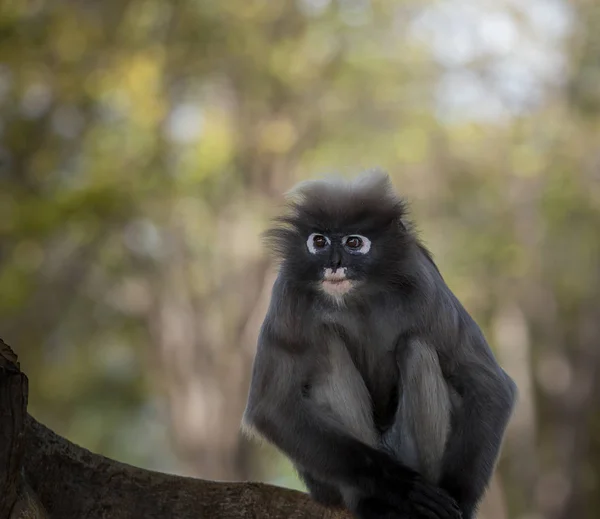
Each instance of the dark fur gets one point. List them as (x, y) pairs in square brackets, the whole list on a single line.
[(391, 401)]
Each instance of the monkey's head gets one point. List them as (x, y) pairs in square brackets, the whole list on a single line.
[(343, 237)]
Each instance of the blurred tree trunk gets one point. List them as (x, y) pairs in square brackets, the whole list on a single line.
[(206, 381)]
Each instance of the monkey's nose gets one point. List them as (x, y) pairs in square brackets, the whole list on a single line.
[(336, 261)]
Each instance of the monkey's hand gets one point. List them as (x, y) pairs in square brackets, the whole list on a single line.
[(398, 492)]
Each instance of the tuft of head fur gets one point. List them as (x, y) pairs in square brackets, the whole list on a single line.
[(363, 203), (337, 201)]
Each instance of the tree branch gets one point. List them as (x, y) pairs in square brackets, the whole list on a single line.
[(41, 471)]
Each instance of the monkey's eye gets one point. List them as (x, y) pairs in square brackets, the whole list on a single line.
[(317, 242), (357, 244), (354, 242)]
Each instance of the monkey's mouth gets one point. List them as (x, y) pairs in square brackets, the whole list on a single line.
[(336, 283)]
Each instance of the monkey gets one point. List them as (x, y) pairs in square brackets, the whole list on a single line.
[(369, 374)]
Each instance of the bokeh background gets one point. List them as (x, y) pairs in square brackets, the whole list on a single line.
[(144, 145)]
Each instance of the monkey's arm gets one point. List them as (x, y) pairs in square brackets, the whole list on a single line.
[(488, 396), (281, 409)]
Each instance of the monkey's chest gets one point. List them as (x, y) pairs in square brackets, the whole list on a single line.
[(381, 379), (371, 343), (376, 362)]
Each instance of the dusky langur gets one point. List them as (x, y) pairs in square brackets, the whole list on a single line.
[(369, 374)]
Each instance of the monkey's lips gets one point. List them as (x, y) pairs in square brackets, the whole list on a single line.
[(336, 285)]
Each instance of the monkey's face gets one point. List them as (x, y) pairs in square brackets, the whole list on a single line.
[(350, 259), (343, 239), (340, 260)]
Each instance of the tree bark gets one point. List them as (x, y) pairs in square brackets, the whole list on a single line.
[(43, 475)]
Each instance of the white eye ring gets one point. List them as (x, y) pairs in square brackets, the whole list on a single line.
[(311, 244), (365, 247)]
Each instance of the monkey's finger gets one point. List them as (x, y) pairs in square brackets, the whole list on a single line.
[(407, 506), (434, 493), (438, 501), (422, 512), (427, 493), (433, 511), (442, 508)]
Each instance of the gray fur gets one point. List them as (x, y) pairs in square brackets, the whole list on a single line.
[(342, 392), (423, 420), (388, 396)]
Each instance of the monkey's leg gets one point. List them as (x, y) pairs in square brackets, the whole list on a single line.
[(323, 493), (422, 424), (474, 445), (393, 498)]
